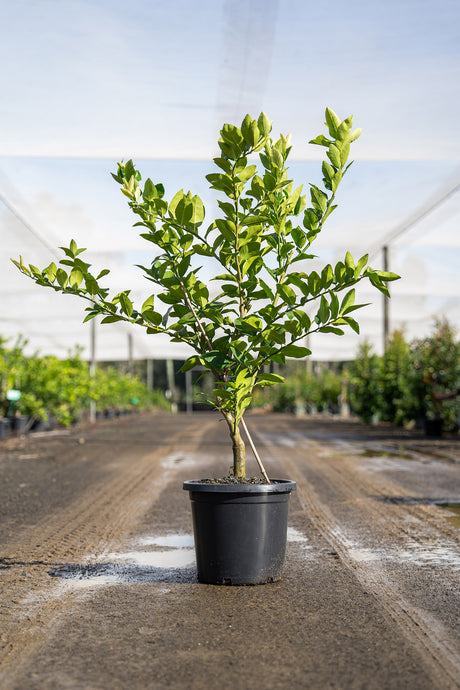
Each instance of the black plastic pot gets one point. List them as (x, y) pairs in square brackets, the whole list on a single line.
[(433, 428), (5, 427), (240, 530), (19, 423)]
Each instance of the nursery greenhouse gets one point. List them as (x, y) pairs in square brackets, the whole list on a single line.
[(89, 84), (278, 506)]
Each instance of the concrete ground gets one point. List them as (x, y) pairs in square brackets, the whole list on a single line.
[(97, 576)]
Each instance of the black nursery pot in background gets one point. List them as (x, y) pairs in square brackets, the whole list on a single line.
[(240, 530), (5, 427), (433, 427)]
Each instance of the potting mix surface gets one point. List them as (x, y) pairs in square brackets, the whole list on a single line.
[(97, 565)]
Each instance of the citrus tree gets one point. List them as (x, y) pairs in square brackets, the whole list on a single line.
[(265, 300)]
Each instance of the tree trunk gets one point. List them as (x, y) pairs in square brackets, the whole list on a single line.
[(239, 454), (239, 450)]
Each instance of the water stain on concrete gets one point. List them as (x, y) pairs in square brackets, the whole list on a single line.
[(452, 512)]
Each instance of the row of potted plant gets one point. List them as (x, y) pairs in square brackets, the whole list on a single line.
[(304, 391), (49, 390), (413, 381)]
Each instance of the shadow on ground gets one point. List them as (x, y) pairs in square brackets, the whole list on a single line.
[(109, 572), (124, 573)]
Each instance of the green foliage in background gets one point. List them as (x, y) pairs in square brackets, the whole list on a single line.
[(365, 380), (62, 389), (436, 369), (401, 386), (396, 399), (303, 391)]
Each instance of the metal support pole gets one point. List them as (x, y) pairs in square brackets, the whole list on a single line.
[(188, 392), (92, 368), (130, 353), (171, 384), (386, 305), (150, 374)]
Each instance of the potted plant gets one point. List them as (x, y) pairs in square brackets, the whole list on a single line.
[(264, 303)]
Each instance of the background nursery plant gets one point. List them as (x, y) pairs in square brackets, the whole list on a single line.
[(265, 300)]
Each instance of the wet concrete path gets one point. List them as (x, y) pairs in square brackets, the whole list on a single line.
[(98, 586)]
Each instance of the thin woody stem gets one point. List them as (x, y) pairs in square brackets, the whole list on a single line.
[(254, 450), (195, 316)]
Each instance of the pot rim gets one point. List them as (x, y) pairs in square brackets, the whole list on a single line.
[(278, 486)]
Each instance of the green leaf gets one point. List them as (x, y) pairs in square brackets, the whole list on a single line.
[(347, 302), (103, 273), (287, 293), (125, 303), (250, 131), (269, 181), (267, 290), (332, 121), (50, 272), (344, 153), (249, 324), (91, 285), (328, 171), (269, 379), (224, 164), (376, 282), (360, 265), (245, 174), (334, 305), (223, 393), (275, 334), (336, 180), (344, 129), (75, 278), (327, 276), (227, 208), (331, 329), (227, 229), (323, 311), (190, 363), (334, 155), (90, 316), (303, 319), (215, 359), (357, 133), (111, 319), (148, 304), (153, 317), (318, 198), (175, 201), (299, 280), (352, 323), (62, 277), (298, 235), (295, 351), (349, 262), (387, 276), (35, 271), (314, 283), (232, 135), (150, 191), (264, 125), (197, 211), (321, 140)]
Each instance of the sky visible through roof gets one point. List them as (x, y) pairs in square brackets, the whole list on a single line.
[(88, 83)]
